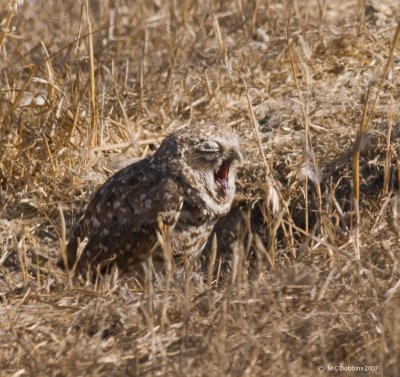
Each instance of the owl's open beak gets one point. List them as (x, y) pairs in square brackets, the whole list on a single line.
[(222, 174)]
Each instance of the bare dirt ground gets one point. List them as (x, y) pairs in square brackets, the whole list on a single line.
[(304, 275)]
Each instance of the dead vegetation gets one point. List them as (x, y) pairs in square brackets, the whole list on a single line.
[(304, 272)]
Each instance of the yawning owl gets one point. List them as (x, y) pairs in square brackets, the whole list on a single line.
[(178, 193)]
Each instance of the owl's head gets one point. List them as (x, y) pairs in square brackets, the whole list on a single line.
[(207, 158)]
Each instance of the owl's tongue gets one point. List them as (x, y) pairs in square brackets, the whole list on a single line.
[(221, 176)]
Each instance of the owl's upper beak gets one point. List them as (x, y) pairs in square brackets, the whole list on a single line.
[(236, 155)]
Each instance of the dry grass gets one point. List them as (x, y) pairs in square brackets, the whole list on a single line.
[(313, 277)]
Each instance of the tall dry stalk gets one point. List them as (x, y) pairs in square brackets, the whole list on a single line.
[(308, 149), (93, 107), (274, 196), (357, 149), (389, 151)]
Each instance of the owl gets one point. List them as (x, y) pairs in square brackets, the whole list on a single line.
[(176, 195)]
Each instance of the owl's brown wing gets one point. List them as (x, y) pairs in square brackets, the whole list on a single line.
[(121, 220)]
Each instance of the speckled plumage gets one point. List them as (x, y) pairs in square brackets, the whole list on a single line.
[(183, 187)]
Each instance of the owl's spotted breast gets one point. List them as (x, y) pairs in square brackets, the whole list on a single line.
[(183, 187)]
